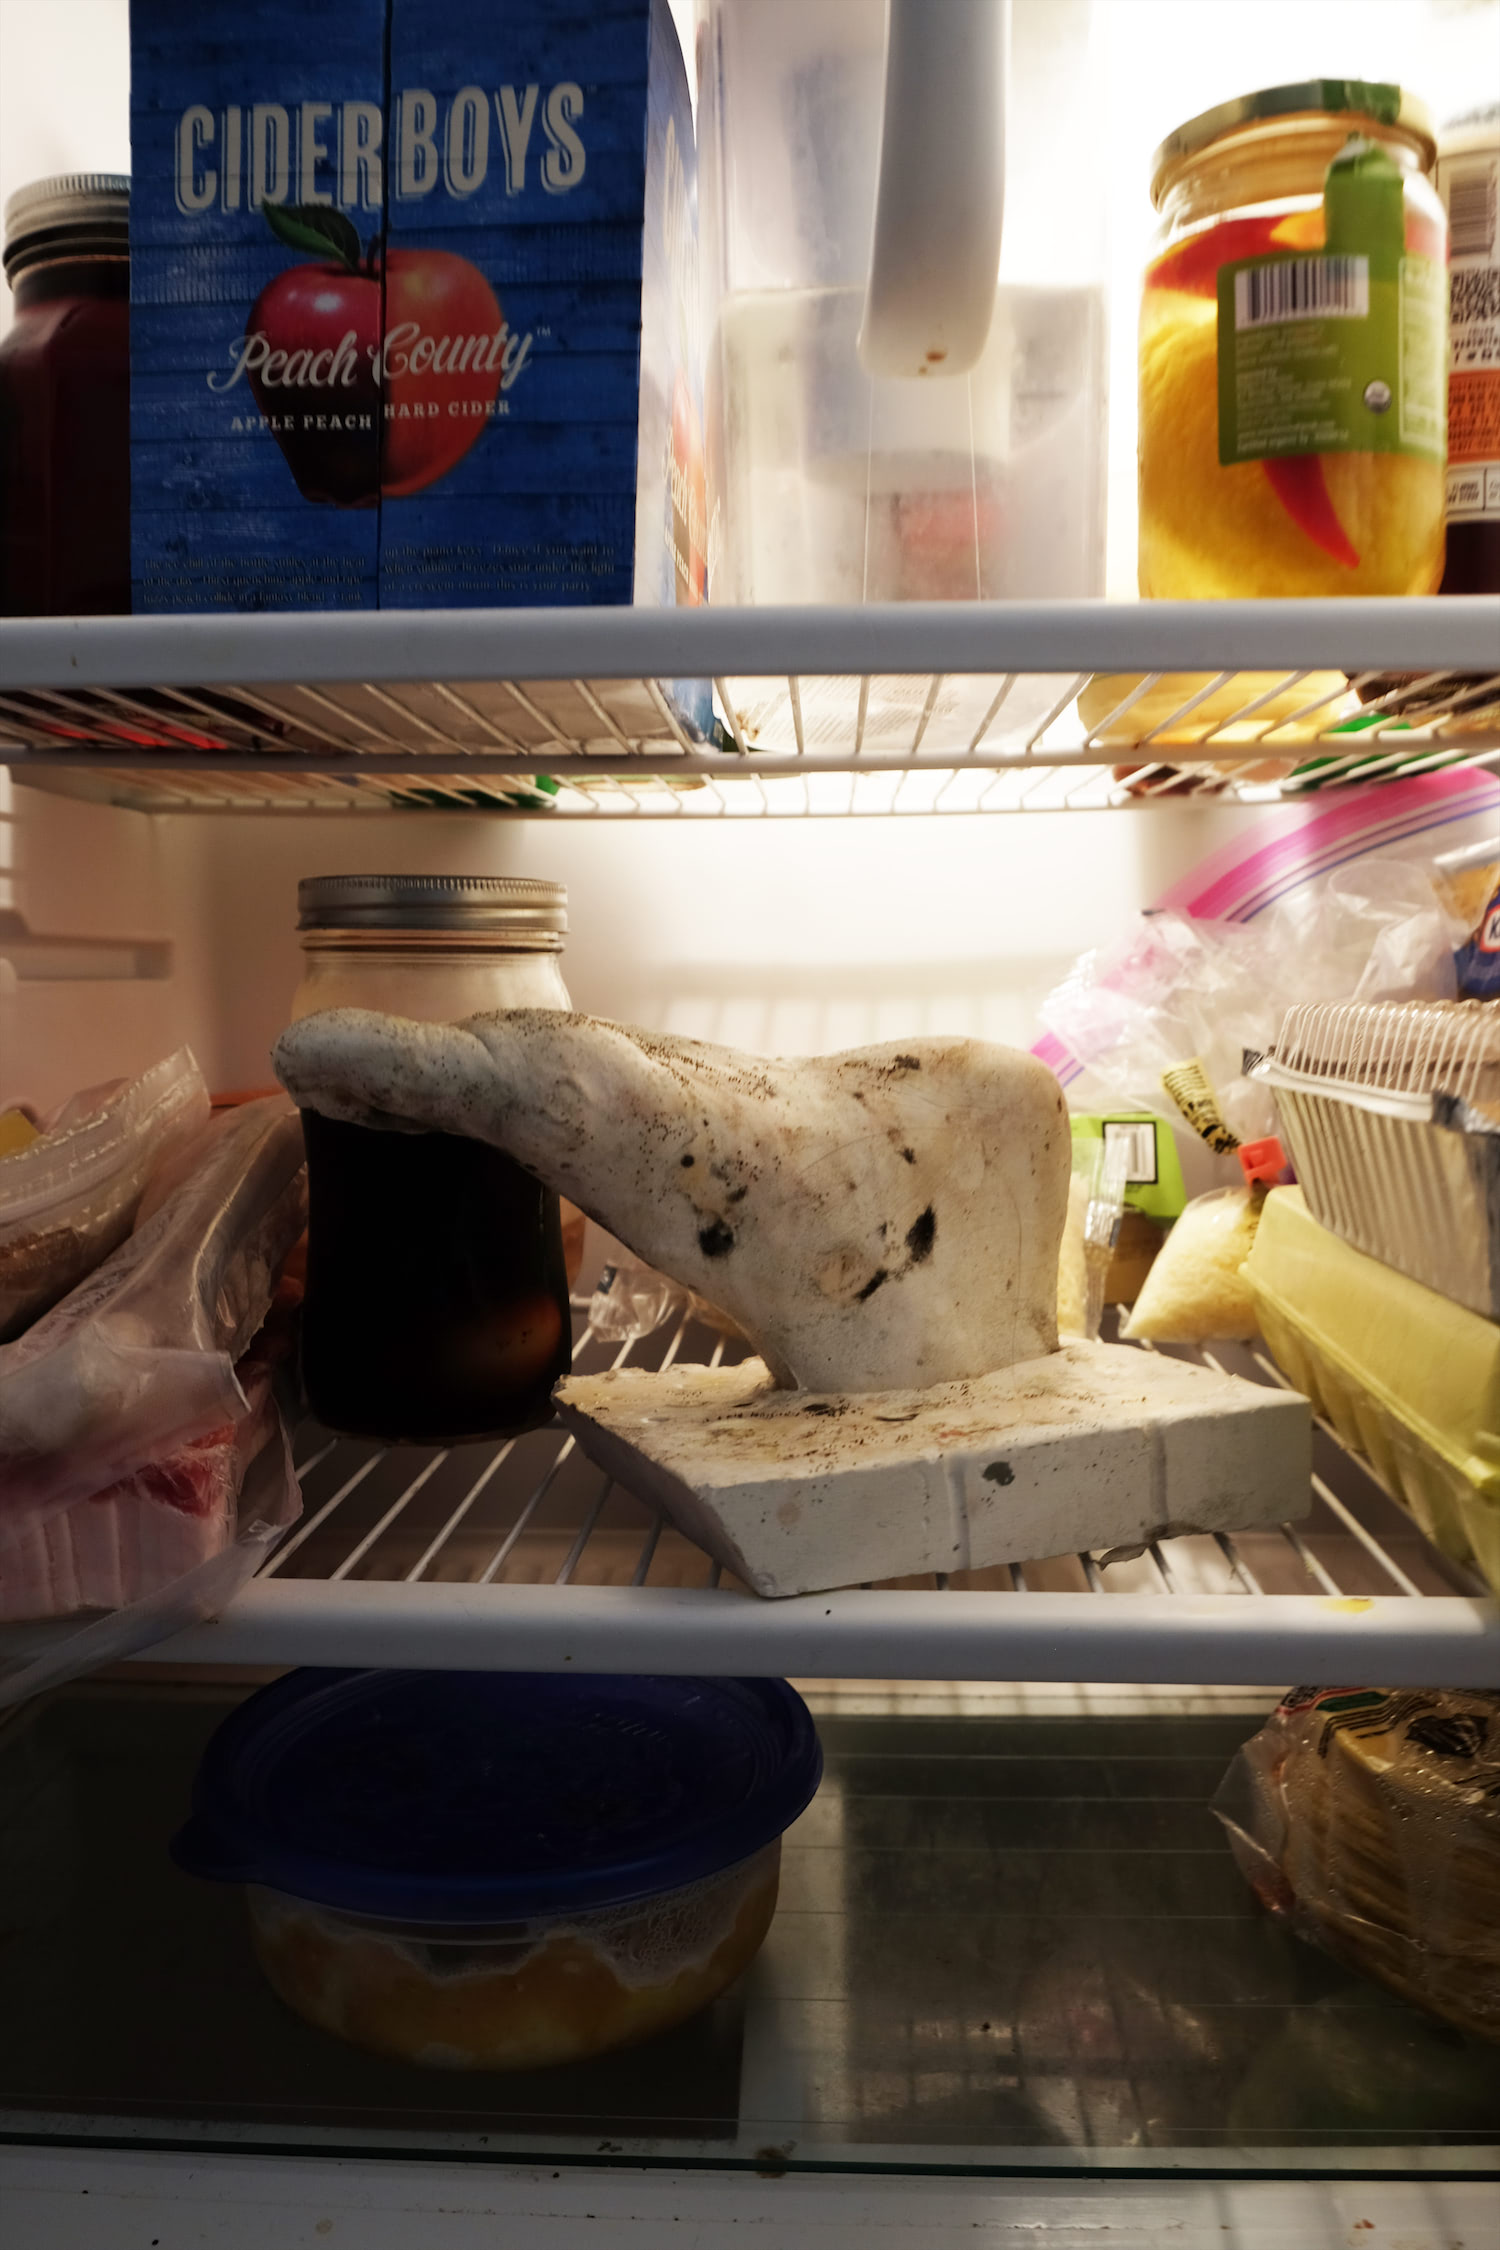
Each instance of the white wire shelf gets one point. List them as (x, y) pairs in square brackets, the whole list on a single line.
[(920, 708), (523, 1556)]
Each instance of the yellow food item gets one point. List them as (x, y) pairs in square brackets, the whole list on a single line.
[(1408, 1379), (16, 1132), (521, 2004), (1269, 726), (1207, 531), (1195, 1293), (1072, 1263)]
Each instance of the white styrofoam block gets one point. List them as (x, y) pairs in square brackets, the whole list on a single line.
[(1093, 1446)]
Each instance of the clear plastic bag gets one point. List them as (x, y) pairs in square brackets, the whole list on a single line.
[(163, 1548), (1195, 1292), (632, 1300), (1182, 1000), (69, 1199), (1096, 1204), (141, 1356), (1370, 1819)]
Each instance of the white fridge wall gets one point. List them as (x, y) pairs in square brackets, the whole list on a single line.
[(785, 937)]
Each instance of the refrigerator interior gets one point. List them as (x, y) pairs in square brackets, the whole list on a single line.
[(1011, 1939)]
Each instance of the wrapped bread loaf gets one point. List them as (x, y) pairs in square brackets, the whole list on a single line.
[(1371, 1818)]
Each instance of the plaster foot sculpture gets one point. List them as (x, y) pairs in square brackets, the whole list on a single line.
[(884, 1225), (886, 1217)]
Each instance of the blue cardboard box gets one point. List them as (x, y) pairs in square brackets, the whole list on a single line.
[(414, 306)]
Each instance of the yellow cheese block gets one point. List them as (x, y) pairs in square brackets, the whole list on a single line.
[(1408, 1378)]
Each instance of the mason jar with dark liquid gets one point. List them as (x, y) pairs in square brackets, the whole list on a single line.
[(437, 1297)]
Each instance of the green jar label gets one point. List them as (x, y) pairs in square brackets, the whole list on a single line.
[(1342, 350)]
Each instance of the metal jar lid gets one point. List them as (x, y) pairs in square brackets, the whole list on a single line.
[(74, 214), (1360, 100), (512, 906)]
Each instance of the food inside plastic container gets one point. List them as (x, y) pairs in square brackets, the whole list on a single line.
[(1292, 359), (530, 1994), (69, 1192), (503, 1870), (1370, 1818)]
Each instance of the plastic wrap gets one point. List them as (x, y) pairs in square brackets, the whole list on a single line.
[(1096, 1203), (69, 1199), (632, 1300), (1196, 1292), (141, 1356), (1164, 1019), (1370, 1819)]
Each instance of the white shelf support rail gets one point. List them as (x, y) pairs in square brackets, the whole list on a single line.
[(536, 711), (1426, 635), (1229, 1639)]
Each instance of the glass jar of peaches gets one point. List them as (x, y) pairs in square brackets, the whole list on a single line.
[(1293, 350)]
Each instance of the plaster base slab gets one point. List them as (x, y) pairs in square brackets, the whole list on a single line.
[(1094, 1446)]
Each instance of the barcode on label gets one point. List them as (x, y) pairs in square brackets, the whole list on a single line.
[(1471, 211), (1302, 289), (1138, 1142)]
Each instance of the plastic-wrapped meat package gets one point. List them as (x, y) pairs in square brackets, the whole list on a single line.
[(140, 1357), (69, 1199), (158, 1550), (144, 1529)]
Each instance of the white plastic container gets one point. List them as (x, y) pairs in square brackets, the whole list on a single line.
[(852, 181)]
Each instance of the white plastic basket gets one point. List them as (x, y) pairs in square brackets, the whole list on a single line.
[(1391, 1113)]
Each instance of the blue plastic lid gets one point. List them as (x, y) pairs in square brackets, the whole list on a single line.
[(492, 1797)]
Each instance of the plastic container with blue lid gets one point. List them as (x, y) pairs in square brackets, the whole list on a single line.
[(495, 1870)]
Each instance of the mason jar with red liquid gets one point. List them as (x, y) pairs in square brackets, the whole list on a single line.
[(1293, 350), (65, 400)]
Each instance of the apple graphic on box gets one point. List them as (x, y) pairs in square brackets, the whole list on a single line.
[(375, 373), (443, 329), (301, 324)]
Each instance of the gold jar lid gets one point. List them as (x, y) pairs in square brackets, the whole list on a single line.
[(1360, 100), (517, 906)]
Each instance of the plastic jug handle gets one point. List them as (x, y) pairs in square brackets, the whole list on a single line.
[(941, 193)]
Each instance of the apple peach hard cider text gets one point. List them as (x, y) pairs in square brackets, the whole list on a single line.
[(334, 153)]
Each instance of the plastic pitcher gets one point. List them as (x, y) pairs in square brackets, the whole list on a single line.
[(906, 385)]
